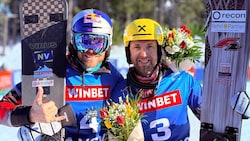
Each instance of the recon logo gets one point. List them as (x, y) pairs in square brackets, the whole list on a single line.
[(39, 46), (229, 15), (218, 15)]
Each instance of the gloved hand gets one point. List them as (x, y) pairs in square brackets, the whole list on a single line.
[(67, 112), (37, 131), (240, 103)]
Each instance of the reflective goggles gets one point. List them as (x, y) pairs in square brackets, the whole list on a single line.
[(96, 42)]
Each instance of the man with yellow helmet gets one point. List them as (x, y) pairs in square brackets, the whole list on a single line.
[(143, 29), (165, 95)]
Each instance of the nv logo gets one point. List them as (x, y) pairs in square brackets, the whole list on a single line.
[(43, 56), (141, 28)]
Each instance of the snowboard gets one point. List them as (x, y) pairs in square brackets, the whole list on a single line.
[(226, 61), (43, 26)]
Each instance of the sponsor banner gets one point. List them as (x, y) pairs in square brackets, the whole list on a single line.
[(43, 83), (225, 70), (165, 100), (228, 27), (43, 72), (9, 79), (5, 80), (87, 93), (229, 15), (43, 56), (228, 21)]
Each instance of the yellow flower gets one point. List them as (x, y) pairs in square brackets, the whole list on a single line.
[(128, 111), (191, 38), (170, 41), (174, 30), (107, 124)]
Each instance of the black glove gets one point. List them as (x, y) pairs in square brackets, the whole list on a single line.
[(67, 111)]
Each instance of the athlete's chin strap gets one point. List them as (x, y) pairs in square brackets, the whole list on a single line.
[(240, 103), (88, 70)]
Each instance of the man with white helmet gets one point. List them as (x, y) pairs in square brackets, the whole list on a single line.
[(165, 95), (88, 72)]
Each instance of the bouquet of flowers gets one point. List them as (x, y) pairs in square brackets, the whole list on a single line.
[(123, 120), (179, 45)]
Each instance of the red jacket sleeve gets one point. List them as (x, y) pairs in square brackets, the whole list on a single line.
[(10, 101), (11, 108)]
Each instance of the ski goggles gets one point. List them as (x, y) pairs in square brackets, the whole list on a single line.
[(96, 42)]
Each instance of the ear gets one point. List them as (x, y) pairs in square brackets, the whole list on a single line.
[(128, 55), (107, 54), (71, 49), (159, 53)]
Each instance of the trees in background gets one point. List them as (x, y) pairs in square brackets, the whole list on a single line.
[(170, 13)]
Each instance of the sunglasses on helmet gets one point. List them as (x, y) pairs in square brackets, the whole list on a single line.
[(96, 42)]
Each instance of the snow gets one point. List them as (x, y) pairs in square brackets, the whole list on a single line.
[(12, 58), (12, 61)]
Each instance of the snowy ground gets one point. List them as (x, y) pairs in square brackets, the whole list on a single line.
[(12, 61)]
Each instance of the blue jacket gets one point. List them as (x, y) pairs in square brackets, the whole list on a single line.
[(166, 113), (88, 98), (85, 92)]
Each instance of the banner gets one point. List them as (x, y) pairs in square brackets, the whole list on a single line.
[(5, 81)]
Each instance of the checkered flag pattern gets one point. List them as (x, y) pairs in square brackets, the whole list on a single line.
[(42, 9)]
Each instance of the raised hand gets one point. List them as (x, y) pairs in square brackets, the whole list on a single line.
[(44, 111)]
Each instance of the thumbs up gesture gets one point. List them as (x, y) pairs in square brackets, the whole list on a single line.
[(44, 111)]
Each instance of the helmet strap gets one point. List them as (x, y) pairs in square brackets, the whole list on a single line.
[(97, 67)]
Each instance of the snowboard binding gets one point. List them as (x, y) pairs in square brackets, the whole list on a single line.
[(207, 133), (240, 103)]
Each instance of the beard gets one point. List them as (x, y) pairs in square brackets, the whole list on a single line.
[(144, 70)]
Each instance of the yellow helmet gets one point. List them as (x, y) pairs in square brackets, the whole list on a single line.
[(143, 29)]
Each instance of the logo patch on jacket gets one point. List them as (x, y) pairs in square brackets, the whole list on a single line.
[(165, 100), (75, 93)]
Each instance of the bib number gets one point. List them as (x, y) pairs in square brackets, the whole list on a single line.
[(162, 126), (89, 123)]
